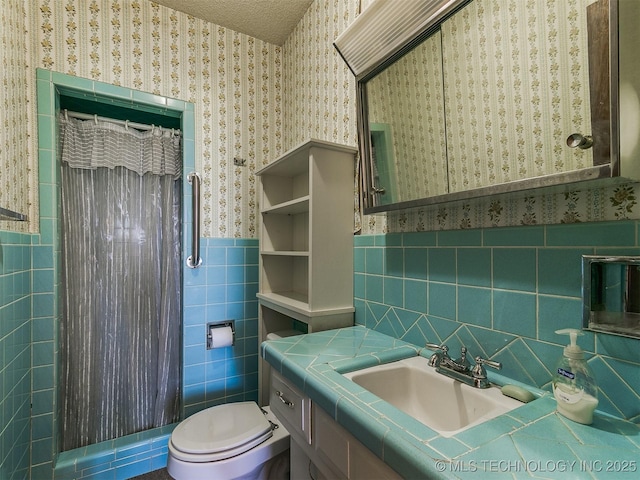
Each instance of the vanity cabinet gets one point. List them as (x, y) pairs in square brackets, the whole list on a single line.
[(306, 240), (320, 447)]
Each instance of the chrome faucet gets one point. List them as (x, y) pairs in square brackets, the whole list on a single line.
[(461, 369), (461, 364)]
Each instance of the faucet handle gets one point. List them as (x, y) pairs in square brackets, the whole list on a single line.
[(442, 351), (478, 370), (480, 374), (490, 363), (463, 361)]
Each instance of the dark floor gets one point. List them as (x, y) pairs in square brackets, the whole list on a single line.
[(161, 474)]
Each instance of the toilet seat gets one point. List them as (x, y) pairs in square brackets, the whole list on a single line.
[(220, 432)]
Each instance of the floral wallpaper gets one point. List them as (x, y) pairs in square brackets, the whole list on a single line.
[(319, 98), (319, 90), (253, 100), (234, 81), (616, 202), (16, 149)]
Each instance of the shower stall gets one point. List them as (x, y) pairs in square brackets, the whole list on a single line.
[(52, 456), (121, 255)]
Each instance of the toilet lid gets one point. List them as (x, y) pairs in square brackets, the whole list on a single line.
[(222, 431)]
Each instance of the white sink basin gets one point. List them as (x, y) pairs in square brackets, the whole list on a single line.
[(441, 403)]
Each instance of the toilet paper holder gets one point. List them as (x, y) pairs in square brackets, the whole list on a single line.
[(211, 327)]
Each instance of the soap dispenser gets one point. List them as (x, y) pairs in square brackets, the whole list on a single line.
[(574, 386)]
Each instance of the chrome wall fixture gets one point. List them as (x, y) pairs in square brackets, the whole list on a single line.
[(194, 260), (611, 294), (10, 215)]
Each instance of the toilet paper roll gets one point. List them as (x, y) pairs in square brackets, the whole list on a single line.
[(221, 337)]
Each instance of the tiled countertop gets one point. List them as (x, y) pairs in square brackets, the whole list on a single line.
[(532, 441)]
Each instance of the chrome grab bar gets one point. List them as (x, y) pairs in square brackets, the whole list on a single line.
[(6, 214), (194, 260)]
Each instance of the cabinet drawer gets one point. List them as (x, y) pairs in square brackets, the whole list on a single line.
[(291, 406)]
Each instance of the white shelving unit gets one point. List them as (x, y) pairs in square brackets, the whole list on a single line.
[(306, 240)]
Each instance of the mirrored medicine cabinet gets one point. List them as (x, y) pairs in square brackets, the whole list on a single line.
[(500, 97), (611, 294)]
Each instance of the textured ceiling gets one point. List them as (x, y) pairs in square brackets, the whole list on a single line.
[(269, 20)]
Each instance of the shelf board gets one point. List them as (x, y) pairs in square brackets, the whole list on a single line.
[(292, 207), (286, 302), (293, 300), (285, 253)]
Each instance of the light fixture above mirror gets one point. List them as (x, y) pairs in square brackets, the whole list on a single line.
[(386, 28)]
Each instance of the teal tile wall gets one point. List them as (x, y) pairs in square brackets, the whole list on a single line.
[(45, 262), (223, 288), (15, 353), (501, 292), (118, 459)]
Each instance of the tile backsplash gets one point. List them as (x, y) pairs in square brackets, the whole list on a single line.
[(223, 288), (15, 351), (502, 293)]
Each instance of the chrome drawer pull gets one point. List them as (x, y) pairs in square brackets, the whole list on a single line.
[(284, 400)]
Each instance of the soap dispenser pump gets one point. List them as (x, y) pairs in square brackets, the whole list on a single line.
[(574, 386)]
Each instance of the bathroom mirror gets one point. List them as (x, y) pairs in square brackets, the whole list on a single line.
[(496, 97), (611, 294), (408, 133)]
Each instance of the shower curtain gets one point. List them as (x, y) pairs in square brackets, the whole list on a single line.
[(121, 308)]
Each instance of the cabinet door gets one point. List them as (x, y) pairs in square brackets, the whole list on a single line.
[(331, 442), (343, 453), (364, 465)]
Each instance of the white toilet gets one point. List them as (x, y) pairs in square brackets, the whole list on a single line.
[(231, 441)]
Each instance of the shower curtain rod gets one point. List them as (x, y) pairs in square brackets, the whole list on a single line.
[(125, 123)]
